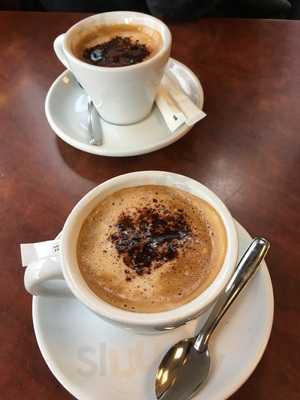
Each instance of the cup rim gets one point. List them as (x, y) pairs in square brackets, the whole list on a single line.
[(167, 318), (165, 47)]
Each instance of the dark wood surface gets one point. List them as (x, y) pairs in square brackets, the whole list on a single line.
[(247, 150)]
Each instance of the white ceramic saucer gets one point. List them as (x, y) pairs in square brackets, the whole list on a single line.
[(94, 360), (66, 111)]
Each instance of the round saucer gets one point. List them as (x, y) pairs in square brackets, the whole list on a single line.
[(93, 359), (66, 112)]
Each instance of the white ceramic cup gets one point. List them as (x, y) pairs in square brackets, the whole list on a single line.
[(122, 95), (67, 266)]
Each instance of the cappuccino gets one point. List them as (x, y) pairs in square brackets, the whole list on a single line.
[(151, 248), (118, 45)]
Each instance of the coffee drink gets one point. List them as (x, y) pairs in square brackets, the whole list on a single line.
[(151, 248), (118, 45)]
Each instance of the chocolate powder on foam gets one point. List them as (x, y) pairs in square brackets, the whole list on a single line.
[(117, 52), (150, 236)]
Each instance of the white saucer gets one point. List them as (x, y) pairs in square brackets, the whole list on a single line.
[(66, 111), (94, 360)]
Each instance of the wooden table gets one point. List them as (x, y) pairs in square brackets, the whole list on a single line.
[(247, 150)]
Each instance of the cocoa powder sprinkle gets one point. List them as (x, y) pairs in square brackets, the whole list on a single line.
[(149, 237), (117, 52)]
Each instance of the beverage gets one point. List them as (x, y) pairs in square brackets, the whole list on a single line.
[(151, 248), (119, 59), (117, 45)]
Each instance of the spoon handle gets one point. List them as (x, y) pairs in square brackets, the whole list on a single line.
[(93, 118), (92, 139), (246, 268)]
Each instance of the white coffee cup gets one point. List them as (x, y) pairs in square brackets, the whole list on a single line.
[(38, 277), (122, 95)]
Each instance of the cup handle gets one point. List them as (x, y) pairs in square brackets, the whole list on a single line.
[(59, 50), (39, 276)]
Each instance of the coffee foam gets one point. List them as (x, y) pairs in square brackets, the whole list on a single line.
[(174, 283), (98, 34)]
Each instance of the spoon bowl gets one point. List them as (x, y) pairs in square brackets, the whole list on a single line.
[(183, 370)]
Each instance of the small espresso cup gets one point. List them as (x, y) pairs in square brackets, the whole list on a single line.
[(121, 95), (40, 277)]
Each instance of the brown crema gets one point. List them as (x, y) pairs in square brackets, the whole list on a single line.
[(151, 248)]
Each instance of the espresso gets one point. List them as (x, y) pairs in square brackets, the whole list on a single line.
[(118, 45), (151, 248)]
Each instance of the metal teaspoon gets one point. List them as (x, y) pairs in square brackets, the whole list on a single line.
[(93, 124), (185, 367), (93, 120)]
